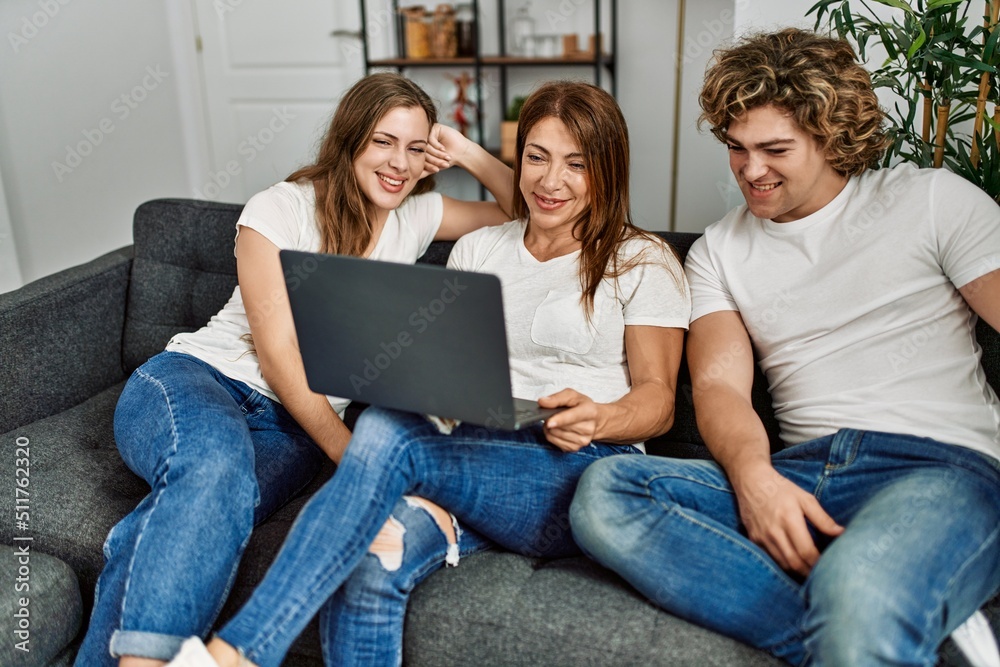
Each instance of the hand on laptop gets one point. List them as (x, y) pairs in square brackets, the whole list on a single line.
[(574, 428)]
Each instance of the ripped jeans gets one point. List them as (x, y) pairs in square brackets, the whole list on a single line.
[(362, 624), (512, 487)]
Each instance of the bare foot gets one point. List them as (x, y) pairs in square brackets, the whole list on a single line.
[(133, 661), (226, 655)]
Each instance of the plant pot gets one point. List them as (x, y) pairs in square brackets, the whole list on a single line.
[(508, 141)]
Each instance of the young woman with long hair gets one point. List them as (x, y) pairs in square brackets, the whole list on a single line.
[(222, 423)]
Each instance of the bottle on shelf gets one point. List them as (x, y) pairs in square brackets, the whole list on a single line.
[(465, 29), (522, 32)]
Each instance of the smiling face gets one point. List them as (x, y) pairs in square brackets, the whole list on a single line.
[(782, 171), (389, 167), (554, 181)]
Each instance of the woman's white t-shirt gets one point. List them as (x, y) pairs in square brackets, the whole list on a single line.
[(551, 343), (285, 214)]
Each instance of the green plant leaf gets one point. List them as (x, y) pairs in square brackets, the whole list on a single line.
[(898, 4), (936, 4), (917, 43)]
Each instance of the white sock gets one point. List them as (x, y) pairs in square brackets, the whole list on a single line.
[(976, 641), (193, 654)]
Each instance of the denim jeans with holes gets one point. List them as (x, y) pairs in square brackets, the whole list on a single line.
[(920, 553), (511, 487)]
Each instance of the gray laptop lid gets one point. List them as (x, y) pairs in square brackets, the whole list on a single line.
[(420, 338)]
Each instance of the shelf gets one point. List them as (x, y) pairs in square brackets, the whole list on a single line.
[(487, 61), (423, 62)]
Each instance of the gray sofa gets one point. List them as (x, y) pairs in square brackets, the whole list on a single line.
[(69, 341)]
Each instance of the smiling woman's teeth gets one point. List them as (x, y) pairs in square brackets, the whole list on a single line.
[(765, 188), (389, 180)]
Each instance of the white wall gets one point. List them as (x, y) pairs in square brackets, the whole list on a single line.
[(10, 270), (90, 124)]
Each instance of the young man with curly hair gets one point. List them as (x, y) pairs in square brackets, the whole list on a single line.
[(874, 533)]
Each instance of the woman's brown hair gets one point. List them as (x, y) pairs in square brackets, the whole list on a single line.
[(815, 79), (596, 123), (344, 214)]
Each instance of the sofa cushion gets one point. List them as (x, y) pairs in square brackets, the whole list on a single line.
[(51, 617), (79, 486), (183, 273), (500, 608)]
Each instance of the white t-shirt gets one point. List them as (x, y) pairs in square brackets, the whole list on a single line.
[(285, 214), (551, 344), (854, 311)]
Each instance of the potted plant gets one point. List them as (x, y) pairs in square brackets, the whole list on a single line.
[(942, 63), (508, 130)]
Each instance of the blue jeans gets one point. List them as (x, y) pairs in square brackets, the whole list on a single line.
[(219, 458), (362, 624), (512, 487), (919, 555)]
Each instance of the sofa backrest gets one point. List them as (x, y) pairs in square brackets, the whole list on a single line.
[(184, 271)]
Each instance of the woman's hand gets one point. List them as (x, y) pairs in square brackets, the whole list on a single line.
[(445, 148), (572, 429)]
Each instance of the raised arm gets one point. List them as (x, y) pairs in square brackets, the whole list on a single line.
[(263, 289), (447, 148), (647, 410), (773, 509)]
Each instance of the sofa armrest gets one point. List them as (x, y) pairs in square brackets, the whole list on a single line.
[(61, 338)]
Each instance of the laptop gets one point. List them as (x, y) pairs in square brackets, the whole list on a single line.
[(420, 338)]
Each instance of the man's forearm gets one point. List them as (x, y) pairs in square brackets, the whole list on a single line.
[(732, 431)]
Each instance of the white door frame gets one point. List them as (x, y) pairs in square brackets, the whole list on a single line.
[(185, 40)]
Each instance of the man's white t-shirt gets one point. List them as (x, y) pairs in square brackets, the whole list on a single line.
[(854, 311), (551, 344), (285, 214)]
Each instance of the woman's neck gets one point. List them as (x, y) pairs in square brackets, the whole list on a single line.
[(548, 244), (378, 224)]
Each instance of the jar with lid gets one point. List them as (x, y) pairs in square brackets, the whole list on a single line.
[(444, 39), (465, 29), (418, 32), (522, 32)]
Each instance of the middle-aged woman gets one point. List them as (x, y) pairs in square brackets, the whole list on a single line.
[(595, 316)]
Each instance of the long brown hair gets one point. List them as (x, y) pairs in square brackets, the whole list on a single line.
[(344, 214), (596, 123)]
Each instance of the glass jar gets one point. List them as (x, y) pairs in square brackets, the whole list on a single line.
[(418, 32), (444, 39), (522, 32), (465, 30)]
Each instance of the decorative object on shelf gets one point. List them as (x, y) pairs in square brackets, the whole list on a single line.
[(444, 36), (570, 45), (418, 32), (522, 32), (944, 70), (465, 30), (461, 103), (508, 130), (545, 46)]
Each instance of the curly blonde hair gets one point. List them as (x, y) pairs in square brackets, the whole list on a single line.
[(816, 79)]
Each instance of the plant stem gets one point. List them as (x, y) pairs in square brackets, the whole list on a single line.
[(925, 133), (996, 119), (942, 131), (990, 21)]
